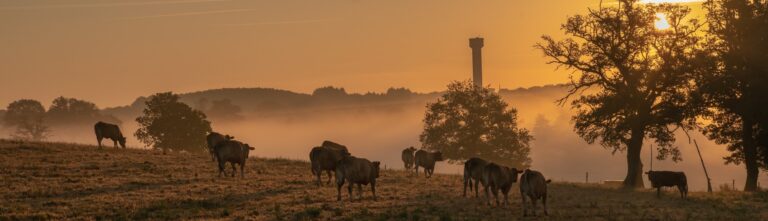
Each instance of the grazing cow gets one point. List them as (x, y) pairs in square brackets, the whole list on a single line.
[(360, 171), (111, 131), (473, 171), (407, 157), (534, 186), (427, 160), (214, 139), (325, 159), (668, 178), (234, 152), (497, 177)]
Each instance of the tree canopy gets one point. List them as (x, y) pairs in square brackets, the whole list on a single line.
[(28, 117), (166, 123), (469, 121), (629, 79)]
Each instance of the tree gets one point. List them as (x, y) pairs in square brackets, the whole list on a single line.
[(28, 117), (470, 121), (630, 78), (70, 110), (733, 90), (166, 123)]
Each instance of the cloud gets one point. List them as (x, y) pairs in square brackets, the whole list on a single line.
[(116, 4), (190, 14), (281, 22)]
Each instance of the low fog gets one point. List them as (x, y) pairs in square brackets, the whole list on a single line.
[(380, 131)]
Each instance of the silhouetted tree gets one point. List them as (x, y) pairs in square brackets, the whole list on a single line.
[(630, 78), (167, 123), (28, 117), (329, 91), (70, 110), (224, 110), (469, 121), (733, 90)]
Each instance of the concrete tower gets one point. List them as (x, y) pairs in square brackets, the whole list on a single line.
[(477, 60)]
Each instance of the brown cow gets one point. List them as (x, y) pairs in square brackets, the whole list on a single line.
[(326, 158), (111, 131), (360, 171), (233, 152), (427, 160), (407, 157), (534, 186), (473, 171), (497, 177), (214, 139), (668, 178)]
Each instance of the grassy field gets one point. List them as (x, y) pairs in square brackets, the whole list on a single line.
[(72, 181)]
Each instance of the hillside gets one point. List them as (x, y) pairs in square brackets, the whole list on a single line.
[(72, 181)]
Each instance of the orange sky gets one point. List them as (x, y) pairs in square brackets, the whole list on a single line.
[(112, 51)]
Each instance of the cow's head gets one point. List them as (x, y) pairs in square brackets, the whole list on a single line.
[(513, 173), (375, 168), (121, 140)]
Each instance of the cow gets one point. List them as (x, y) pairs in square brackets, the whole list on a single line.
[(668, 178), (427, 160), (111, 131), (497, 177), (233, 152), (326, 158), (407, 157), (473, 171), (214, 139), (360, 171), (534, 186)]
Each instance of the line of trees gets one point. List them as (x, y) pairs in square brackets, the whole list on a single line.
[(632, 81), (33, 122)]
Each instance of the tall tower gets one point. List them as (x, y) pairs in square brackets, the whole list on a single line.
[(477, 60)]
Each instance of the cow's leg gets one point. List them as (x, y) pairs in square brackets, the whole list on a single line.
[(242, 167), (339, 183), (505, 191), (329, 177), (234, 170), (319, 172), (221, 167), (544, 201), (533, 205), (658, 192), (416, 166), (680, 189), (359, 191), (524, 205), (98, 138), (349, 188), (467, 181), (496, 194), (373, 190), (115, 141)]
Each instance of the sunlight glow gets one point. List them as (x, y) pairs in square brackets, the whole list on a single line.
[(661, 21), (669, 1)]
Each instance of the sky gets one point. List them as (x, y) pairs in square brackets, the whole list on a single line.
[(112, 51)]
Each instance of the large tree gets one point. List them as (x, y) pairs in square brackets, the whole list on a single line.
[(469, 121), (28, 117), (629, 78), (69, 111), (733, 89), (167, 123)]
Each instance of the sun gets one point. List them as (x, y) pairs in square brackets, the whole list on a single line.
[(661, 21)]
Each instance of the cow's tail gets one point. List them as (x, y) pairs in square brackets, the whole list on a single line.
[(312, 161)]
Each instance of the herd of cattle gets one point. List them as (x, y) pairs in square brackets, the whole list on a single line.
[(334, 158)]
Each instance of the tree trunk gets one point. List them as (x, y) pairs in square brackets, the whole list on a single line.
[(634, 178), (750, 154)]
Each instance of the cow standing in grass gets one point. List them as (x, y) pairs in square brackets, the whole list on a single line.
[(233, 152), (111, 131), (214, 139), (407, 157), (668, 178), (497, 177), (533, 186), (473, 171), (326, 158), (427, 160), (360, 171)]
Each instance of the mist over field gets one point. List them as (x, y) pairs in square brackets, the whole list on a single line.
[(378, 126)]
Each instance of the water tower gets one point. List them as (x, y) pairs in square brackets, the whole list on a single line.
[(477, 60)]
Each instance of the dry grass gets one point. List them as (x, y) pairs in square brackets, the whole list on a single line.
[(70, 181)]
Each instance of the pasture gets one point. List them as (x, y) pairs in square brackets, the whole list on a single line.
[(72, 181)]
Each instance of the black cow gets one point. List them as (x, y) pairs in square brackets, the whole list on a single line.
[(427, 160), (214, 139), (668, 178), (233, 152), (473, 171), (407, 156), (533, 186), (111, 131), (360, 171)]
